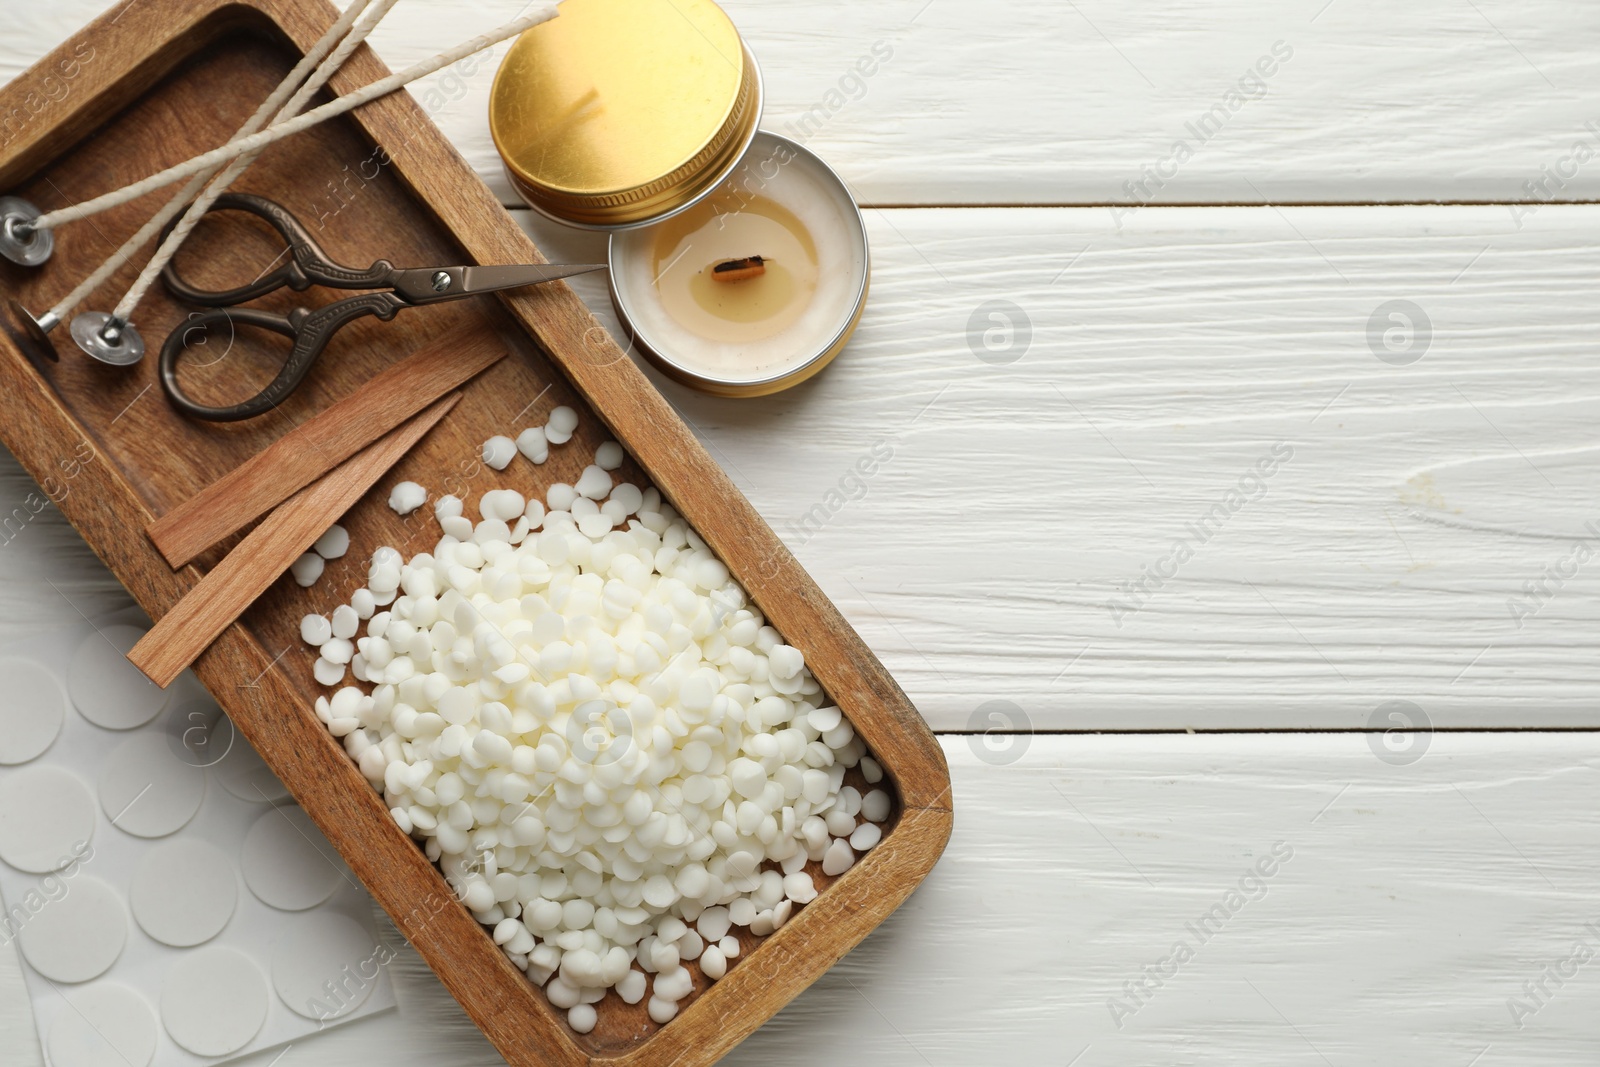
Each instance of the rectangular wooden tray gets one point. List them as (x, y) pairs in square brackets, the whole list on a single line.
[(153, 82)]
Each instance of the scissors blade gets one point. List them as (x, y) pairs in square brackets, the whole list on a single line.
[(426, 285)]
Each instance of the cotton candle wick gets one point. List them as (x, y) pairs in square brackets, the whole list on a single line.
[(738, 270)]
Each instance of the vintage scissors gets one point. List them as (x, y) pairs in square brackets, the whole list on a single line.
[(312, 329)]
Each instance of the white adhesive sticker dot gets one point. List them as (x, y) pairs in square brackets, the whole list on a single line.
[(44, 813), (246, 775), (214, 1001), (326, 966), (147, 791), (107, 689), (287, 862), (32, 707), (104, 1024), (183, 892), (79, 935)]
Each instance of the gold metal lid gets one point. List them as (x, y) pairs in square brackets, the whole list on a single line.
[(622, 112)]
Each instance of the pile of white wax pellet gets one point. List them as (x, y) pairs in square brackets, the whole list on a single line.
[(612, 759)]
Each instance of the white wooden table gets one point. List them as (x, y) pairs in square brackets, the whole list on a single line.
[(1347, 273)]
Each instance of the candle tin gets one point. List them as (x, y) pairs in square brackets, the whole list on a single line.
[(620, 113), (769, 154)]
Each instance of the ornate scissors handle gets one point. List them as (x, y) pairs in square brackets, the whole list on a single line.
[(308, 264), (310, 330)]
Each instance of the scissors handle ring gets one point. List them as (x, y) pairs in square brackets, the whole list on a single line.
[(310, 331), (308, 264)]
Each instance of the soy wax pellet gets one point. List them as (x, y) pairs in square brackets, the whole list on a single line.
[(503, 504), (498, 451), (559, 426), (594, 483), (533, 444), (582, 1018), (663, 1011), (327, 672), (824, 719), (875, 805), (333, 544), (315, 629), (307, 569), (345, 621), (560, 496), (561, 993), (608, 456), (798, 888), (742, 911), (407, 497), (838, 858), (713, 924), (632, 987)]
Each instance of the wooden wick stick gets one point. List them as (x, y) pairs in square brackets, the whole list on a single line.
[(317, 445), (245, 573)]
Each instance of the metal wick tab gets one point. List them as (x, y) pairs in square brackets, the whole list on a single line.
[(20, 241), (108, 338), (34, 331)]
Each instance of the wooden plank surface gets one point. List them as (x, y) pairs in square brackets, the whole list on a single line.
[(1417, 901), (1064, 103), (1388, 555)]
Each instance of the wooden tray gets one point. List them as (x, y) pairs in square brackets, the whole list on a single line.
[(154, 81)]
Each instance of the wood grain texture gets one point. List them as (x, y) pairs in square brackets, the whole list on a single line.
[(1390, 557), (1417, 902), (265, 553), (314, 447), (1065, 103), (419, 203)]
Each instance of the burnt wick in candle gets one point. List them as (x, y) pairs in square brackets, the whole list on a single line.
[(710, 281), (737, 270)]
